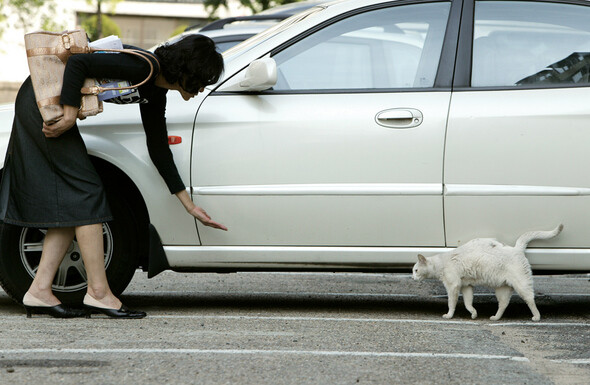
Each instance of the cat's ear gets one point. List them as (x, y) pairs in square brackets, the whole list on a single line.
[(422, 259)]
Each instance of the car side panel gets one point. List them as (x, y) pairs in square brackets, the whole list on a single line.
[(518, 161), (319, 170)]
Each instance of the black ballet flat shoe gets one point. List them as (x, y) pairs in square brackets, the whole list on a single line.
[(123, 312), (57, 311)]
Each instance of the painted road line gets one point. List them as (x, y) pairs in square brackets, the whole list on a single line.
[(266, 352), (257, 293), (330, 319), (573, 361), (549, 324)]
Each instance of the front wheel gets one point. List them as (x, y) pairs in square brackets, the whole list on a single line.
[(20, 253)]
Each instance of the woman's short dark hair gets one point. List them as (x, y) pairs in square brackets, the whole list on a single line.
[(193, 62)]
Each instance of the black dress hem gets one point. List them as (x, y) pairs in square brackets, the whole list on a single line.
[(56, 224)]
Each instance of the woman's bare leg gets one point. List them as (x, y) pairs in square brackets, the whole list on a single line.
[(90, 242), (56, 243)]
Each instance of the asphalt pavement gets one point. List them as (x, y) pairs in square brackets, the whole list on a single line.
[(305, 328)]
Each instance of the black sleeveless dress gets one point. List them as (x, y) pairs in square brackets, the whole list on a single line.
[(51, 182)]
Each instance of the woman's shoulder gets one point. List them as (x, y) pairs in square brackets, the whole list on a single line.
[(147, 54)]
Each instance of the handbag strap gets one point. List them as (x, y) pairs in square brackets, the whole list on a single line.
[(95, 90)]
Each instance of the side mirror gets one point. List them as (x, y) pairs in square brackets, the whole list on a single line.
[(260, 75)]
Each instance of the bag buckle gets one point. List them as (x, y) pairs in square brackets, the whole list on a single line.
[(65, 38), (91, 90)]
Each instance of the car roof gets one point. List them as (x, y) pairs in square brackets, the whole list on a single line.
[(240, 28), (260, 20)]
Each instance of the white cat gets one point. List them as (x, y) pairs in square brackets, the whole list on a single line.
[(485, 262)]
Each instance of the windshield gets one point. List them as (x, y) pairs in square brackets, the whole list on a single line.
[(268, 33)]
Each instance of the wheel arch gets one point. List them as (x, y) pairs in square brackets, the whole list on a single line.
[(119, 185)]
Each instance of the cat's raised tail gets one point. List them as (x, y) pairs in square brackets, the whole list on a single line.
[(525, 238)]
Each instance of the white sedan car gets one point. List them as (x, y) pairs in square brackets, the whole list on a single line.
[(354, 136)]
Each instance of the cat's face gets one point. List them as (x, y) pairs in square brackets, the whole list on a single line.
[(420, 269), (416, 273)]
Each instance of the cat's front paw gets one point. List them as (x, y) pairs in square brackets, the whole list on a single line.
[(536, 318), (448, 316), (474, 315), (495, 317)]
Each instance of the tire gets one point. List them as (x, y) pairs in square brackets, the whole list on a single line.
[(20, 252)]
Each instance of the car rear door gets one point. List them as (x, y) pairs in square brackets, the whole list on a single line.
[(347, 148), (517, 155)]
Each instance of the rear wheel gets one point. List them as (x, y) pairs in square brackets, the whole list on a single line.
[(20, 253)]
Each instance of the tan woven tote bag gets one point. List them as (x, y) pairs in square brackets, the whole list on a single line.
[(47, 55)]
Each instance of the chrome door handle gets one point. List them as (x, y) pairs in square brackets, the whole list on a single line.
[(399, 118)]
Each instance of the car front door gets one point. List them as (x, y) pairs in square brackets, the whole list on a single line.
[(346, 149), (517, 155)]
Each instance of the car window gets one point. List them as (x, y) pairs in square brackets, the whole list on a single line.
[(270, 32), (225, 45), (523, 43), (395, 47)]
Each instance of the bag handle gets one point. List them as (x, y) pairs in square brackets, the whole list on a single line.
[(95, 90)]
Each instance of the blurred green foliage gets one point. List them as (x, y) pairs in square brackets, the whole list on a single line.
[(30, 15), (178, 30), (109, 27)]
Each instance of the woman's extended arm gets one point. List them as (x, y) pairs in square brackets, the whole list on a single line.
[(197, 212), (154, 123)]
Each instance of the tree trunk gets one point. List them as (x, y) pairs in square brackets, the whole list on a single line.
[(98, 20)]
